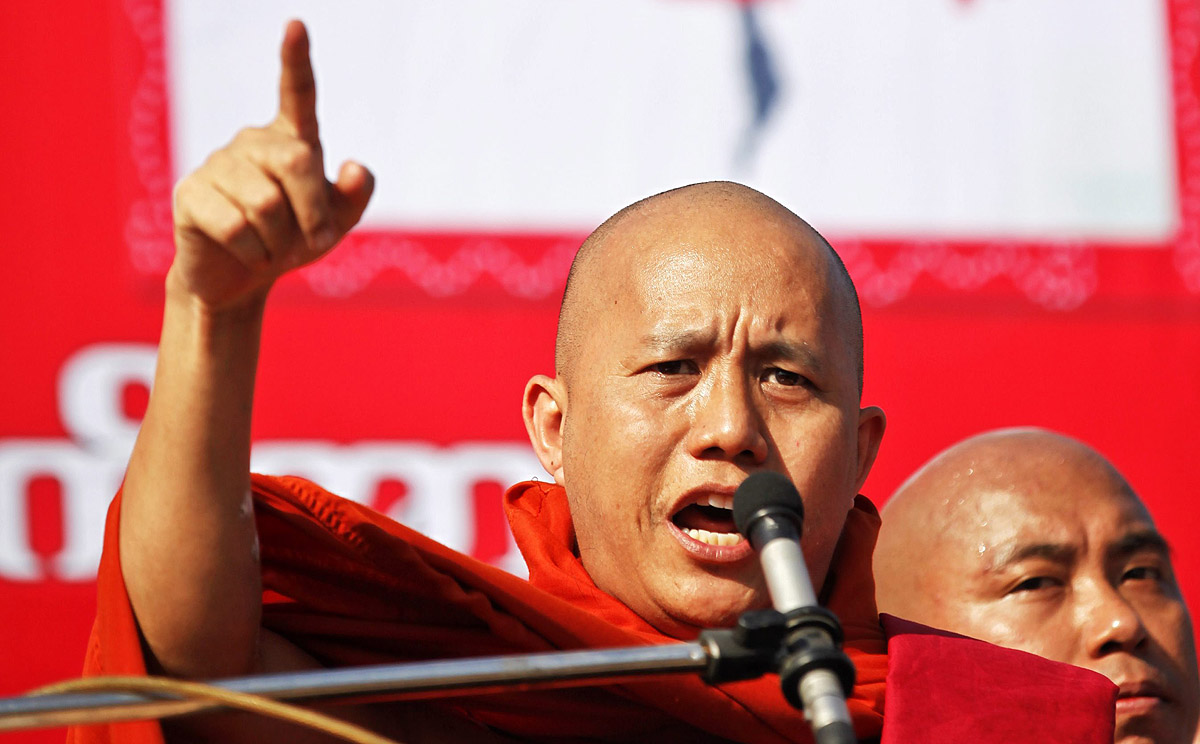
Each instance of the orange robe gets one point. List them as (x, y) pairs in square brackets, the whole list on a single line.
[(350, 586)]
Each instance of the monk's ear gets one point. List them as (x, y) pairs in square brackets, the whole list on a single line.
[(545, 402), (871, 424)]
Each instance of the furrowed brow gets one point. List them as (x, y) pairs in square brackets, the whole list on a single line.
[(677, 341), (1056, 552), (799, 353), (1136, 542)]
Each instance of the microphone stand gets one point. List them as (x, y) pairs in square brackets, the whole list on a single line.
[(746, 651), (816, 674)]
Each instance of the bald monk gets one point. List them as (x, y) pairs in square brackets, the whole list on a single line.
[(705, 334), (1032, 540)]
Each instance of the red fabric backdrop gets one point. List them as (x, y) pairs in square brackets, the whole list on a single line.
[(1121, 370)]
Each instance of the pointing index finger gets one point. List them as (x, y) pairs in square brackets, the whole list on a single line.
[(297, 88)]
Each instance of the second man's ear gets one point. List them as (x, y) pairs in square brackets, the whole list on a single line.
[(543, 408), (872, 422)]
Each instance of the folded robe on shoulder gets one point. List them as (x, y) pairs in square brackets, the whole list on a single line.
[(350, 586)]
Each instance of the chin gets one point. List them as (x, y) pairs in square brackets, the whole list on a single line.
[(1142, 731), (716, 606)]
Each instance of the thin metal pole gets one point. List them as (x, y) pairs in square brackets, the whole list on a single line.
[(397, 681)]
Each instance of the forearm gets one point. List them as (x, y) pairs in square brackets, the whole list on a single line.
[(256, 209), (188, 542)]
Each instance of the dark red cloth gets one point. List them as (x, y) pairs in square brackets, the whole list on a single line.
[(953, 688), (350, 586)]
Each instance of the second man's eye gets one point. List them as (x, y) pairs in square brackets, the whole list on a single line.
[(783, 377), (1036, 583), (1143, 573), (676, 367)]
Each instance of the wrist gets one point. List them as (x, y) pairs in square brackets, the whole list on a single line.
[(247, 309)]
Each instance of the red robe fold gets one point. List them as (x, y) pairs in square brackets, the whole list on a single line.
[(350, 586), (1018, 697)]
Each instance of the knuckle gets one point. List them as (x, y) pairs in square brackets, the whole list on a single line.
[(319, 221), (266, 202), (246, 136), (230, 229), (216, 163), (190, 198), (296, 157), (182, 193)]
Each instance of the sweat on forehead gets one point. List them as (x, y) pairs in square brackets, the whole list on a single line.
[(1009, 458), (719, 205), (1019, 462), (977, 491)]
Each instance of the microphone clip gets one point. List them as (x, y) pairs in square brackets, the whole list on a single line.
[(812, 640), (791, 645), (748, 650)]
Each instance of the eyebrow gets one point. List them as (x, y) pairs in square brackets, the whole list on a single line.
[(799, 353), (1056, 552), (1138, 541), (692, 341), (1128, 544), (677, 340)]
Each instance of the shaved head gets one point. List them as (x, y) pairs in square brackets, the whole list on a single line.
[(583, 295), (706, 333), (932, 515), (1033, 540)]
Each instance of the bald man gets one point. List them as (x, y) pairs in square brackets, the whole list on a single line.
[(1032, 540), (706, 333), (676, 401)]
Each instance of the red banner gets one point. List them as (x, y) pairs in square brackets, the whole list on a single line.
[(402, 359)]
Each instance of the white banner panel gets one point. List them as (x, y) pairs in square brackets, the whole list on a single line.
[(1020, 119)]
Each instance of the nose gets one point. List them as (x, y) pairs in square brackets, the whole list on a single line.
[(1112, 624), (726, 422)]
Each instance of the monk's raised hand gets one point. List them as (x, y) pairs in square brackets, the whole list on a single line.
[(261, 206)]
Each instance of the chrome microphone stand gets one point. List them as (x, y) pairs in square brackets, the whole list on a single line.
[(744, 652)]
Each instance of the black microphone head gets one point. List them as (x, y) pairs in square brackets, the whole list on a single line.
[(766, 493)]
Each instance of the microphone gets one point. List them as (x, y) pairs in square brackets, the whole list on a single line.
[(815, 674)]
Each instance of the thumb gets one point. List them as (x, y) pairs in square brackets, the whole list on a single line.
[(350, 193)]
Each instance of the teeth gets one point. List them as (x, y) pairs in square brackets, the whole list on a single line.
[(715, 538), (721, 502)]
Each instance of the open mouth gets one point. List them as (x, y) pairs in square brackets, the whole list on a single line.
[(709, 522)]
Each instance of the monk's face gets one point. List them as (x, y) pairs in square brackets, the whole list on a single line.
[(716, 348), (1069, 566)]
